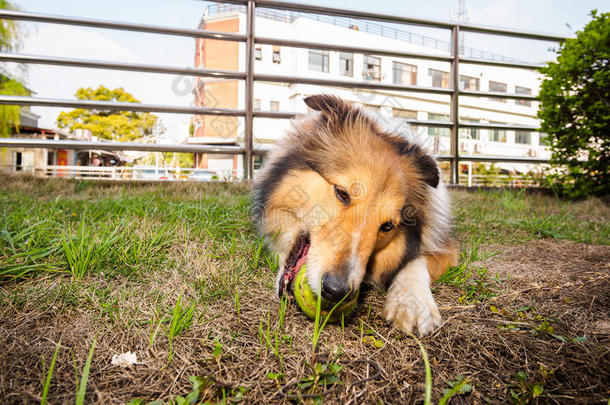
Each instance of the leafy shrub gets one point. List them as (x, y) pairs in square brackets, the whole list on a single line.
[(575, 110)]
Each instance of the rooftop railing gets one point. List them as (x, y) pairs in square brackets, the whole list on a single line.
[(249, 77)]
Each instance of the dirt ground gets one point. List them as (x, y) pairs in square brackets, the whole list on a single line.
[(544, 283)]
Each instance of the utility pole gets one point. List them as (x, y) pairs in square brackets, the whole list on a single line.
[(461, 16)]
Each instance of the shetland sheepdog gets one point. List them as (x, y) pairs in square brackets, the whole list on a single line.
[(356, 204)]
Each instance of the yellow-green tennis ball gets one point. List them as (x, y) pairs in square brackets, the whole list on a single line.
[(308, 300)]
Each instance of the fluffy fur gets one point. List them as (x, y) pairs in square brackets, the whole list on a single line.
[(359, 204)]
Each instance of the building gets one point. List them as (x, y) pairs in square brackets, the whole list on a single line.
[(392, 108), (52, 162)]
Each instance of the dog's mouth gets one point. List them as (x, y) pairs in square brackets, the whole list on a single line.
[(294, 262)]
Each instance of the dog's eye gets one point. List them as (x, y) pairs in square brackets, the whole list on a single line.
[(386, 227), (342, 195)]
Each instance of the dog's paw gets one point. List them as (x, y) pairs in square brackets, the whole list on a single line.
[(411, 308)]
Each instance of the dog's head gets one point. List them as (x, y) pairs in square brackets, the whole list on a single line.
[(343, 197)]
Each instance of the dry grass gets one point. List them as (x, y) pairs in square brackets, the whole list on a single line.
[(536, 314)]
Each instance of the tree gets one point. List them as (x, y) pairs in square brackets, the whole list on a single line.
[(575, 110), (109, 124), (10, 39)]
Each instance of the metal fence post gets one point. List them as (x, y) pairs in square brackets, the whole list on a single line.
[(455, 138), (248, 163)]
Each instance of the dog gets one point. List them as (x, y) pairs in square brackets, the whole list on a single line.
[(357, 205)]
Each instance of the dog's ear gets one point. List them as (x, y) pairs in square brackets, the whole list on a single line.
[(428, 169), (424, 163), (332, 107)]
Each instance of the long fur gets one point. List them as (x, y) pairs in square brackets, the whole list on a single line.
[(391, 179)]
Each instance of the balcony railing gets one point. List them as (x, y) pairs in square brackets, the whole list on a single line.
[(249, 77)]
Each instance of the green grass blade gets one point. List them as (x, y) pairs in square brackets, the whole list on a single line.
[(45, 388), (428, 392), (455, 390), (82, 387)]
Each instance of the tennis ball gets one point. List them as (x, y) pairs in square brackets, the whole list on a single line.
[(308, 300)]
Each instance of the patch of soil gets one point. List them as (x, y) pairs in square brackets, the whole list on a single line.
[(565, 284)]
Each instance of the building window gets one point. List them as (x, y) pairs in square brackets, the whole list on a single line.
[(400, 113), (439, 78), (346, 64), (498, 87), (523, 137), (438, 131), (276, 54), (403, 73), (372, 68), (18, 161), (497, 135), (469, 83), (257, 160), (523, 90), (258, 52), (256, 104), (274, 106), (469, 133), (543, 139), (318, 60)]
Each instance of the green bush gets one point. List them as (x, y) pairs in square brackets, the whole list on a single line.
[(575, 110)]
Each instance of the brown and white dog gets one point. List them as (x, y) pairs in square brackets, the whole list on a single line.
[(356, 204)]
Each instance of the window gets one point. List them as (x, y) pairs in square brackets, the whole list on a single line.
[(469, 83), (346, 64), (276, 54), (274, 105), (438, 131), (497, 135), (18, 161), (403, 73), (439, 78), (256, 104), (258, 52), (498, 88), (400, 113), (50, 157), (318, 60), (544, 139), (469, 133), (372, 68), (257, 161), (523, 137), (523, 90)]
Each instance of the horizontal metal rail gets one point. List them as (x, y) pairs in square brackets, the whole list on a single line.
[(351, 49), (349, 84), (136, 67), (495, 94), (517, 65), (505, 127), (225, 74), (506, 159), (306, 8), (116, 25), (116, 106), (107, 105), (121, 146)]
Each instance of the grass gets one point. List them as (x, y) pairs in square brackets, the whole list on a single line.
[(82, 385), (47, 383), (176, 273)]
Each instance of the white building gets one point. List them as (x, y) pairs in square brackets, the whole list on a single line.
[(392, 107)]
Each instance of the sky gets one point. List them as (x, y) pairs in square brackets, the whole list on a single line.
[(562, 17)]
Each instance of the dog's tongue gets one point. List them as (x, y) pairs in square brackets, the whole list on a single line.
[(291, 272)]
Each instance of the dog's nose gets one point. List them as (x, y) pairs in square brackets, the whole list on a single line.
[(334, 288)]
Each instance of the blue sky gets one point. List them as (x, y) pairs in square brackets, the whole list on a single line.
[(551, 16)]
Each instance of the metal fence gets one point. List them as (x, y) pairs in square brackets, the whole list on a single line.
[(249, 76)]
